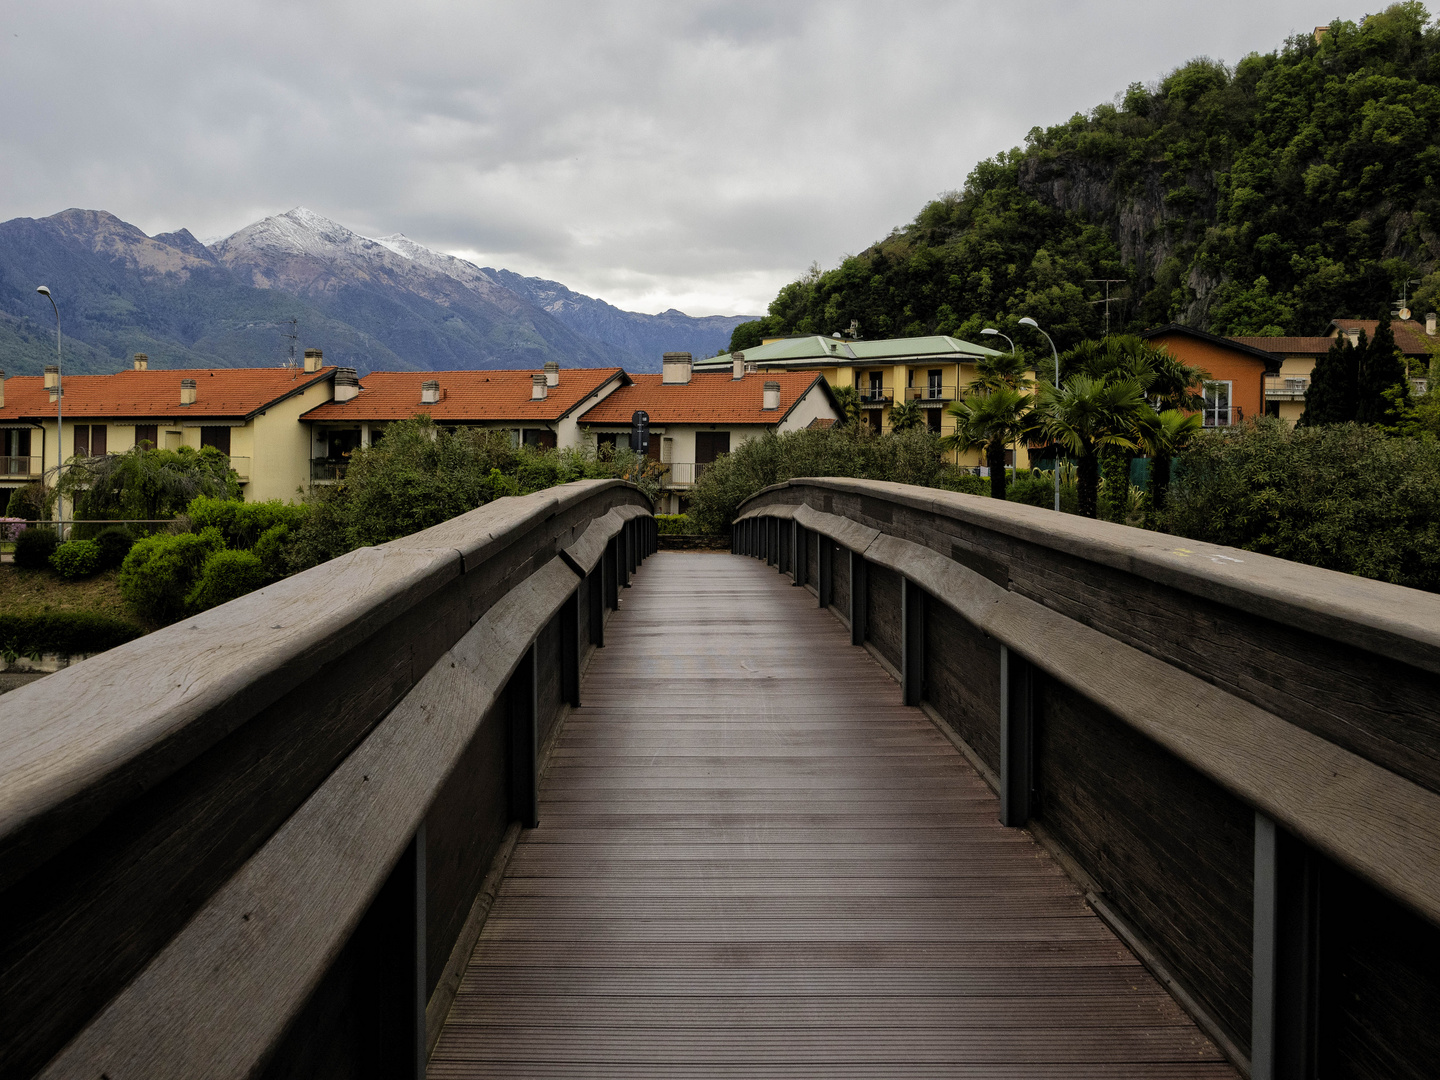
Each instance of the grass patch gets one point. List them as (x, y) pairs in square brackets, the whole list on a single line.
[(39, 592)]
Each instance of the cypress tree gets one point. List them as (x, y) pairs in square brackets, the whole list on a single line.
[(1384, 384), (1330, 398)]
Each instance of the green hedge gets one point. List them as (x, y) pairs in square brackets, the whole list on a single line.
[(62, 632), (76, 558)]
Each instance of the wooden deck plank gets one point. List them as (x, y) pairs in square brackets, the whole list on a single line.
[(752, 859)]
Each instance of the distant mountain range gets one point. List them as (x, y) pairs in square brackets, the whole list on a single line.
[(386, 303)]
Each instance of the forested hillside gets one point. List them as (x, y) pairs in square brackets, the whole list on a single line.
[(1264, 198)]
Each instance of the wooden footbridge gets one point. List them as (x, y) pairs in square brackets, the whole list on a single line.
[(908, 784)]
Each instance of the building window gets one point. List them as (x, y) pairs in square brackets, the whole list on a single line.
[(932, 420), (541, 438), (1218, 411), (89, 440), (218, 437), (147, 433), (709, 445), (933, 384)]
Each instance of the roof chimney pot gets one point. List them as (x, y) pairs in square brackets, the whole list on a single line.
[(675, 368), (314, 359), (552, 373), (539, 387), (52, 378), (141, 362), (737, 365), (772, 397), (430, 392), (1353, 333), (187, 391), (1430, 324), (347, 385), (2, 389)]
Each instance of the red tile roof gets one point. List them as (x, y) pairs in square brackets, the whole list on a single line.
[(710, 397), (467, 395), (1287, 345), (1409, 335), (227, 392)]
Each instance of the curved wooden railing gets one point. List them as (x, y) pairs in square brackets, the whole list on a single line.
[(256, 843), (1237, 756)]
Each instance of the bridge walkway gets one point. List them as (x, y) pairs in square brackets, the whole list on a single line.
[(752, 860)]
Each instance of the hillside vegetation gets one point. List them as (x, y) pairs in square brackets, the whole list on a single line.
[(1264, 198)]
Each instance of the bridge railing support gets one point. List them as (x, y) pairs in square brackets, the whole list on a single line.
[(272, 861), (1209, 739)]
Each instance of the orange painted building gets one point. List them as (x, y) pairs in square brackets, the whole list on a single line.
[(1236, 387)]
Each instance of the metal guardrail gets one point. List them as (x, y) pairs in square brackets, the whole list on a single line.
[(1286, 388), (875, 396), (1219, 418), (328, 470), (937, 395), (19, 465), (685, 473)]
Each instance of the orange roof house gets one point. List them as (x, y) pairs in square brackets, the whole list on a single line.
[(539, 406), (249, 413), (696, 416), (1236, 388)]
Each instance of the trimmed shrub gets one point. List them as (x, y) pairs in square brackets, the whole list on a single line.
[(114, 543), (224, 576), (28, 502), (160, 571), (675, 524), (241, 523), (62, 632), (76, 558), (967, 483), (33, 548)]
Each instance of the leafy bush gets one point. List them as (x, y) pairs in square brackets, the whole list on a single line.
[(76, 558), (160, 571), (28, 502), (271, 548), (114, 544), (674, 524), (243, 523), (147, 485), (62, 632), (224, 576), (1340, 496), (966, 483), (33, 548)]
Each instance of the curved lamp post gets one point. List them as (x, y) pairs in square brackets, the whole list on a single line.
[(1027, 321), (44, 290)]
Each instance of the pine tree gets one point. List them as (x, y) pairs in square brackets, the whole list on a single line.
[(1383, 387), (1330, 398)]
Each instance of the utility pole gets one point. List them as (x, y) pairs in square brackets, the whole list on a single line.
[(1107, 282)]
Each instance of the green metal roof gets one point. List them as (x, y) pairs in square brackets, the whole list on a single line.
[(814, 350)]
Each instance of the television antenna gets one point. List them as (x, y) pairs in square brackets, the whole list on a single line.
[(1107, 282), (293, 336), (1401, 307)]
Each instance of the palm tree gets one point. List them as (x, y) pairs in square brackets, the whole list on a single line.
[(1000, 370), (905, 415), (1086, 415), (1169, 382), (1171, 431), (848, 398), (990, 421)]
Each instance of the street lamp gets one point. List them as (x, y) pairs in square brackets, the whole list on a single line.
[(44, 290), (1027, 321)]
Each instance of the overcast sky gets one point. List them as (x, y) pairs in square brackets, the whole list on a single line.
[(694, 155)]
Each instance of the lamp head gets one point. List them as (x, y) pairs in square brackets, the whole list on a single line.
[(1027, 321), (43, 290), (989, 330)]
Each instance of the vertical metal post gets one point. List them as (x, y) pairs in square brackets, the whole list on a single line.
[(390, 942), (1017, 738), (610, 573), (570, 650), (912, 643), (1284, 1025), (622, 557), (596, 603), (857, 598), (826, 569), (799, 538), (524, 691)]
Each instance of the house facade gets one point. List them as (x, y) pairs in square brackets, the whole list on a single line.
[(1238, 372), (695, 416), (537, 407), (251, 414)]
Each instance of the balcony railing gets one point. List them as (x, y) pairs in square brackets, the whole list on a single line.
[(242, 466), (327, 470), (1286, 388), (22, 465), (873, 397), (1219, 418), (937, 394), (683, 474)]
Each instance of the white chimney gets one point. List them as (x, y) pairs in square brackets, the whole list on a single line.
[(187, 391), (772, 396), (675, 368), (314, 360), (52, 378), (539, 387), (141, 362), (552, 373), (430, 392), (737, 365), (347, 385), (2, 389), (1354, 335), (1430, 324)]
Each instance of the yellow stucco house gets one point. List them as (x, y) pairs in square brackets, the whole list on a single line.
[(252, 414)]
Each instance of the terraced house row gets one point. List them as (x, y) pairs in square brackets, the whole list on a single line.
[(288, 429)]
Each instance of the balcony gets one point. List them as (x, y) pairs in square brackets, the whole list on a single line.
[(1222, 418), (241, 465), (683, 474), (937, 395), (1286, 388), (324, 470), (875, 396), (11, 466)]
